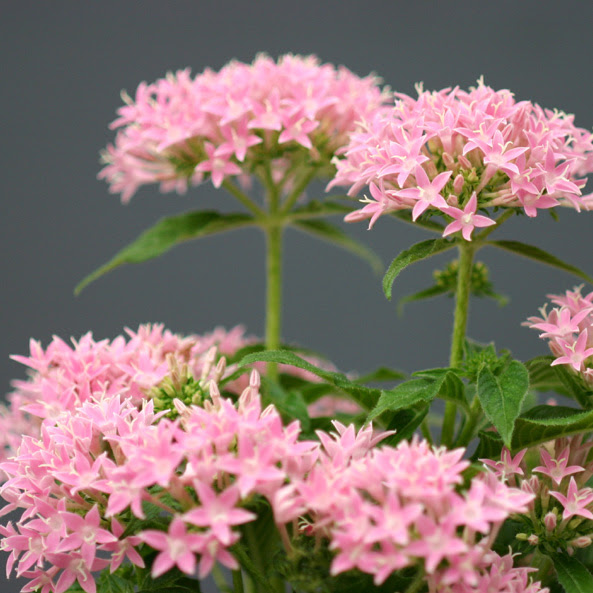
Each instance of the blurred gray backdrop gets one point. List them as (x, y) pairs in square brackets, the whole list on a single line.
[(63, 66)]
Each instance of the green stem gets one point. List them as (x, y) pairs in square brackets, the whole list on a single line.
[(243, 198), (219, 579), (418, 582), (467, 434), (274, 291), (238, 581), (298, 189), (462, 293)]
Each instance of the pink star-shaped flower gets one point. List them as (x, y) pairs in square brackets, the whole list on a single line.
[(427, 193), (557, 469), (466, 220), (576, 501)]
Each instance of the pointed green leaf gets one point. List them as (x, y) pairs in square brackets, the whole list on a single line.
[(422, 295), (367, 397), (502, 396), (405, 422), (543, 377), (541, 256), (416, 253), (289, 403), (167, 233), (546, 423), (489, 447), (380, 375), (573, 387), (333, 234), (572, 574), (422, 389)]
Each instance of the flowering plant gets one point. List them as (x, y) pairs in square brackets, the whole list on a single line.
[(156, 461)]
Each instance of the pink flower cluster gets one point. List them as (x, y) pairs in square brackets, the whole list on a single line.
[(561, 515), (77, 482), (568, 329), (387, 508), (452, 152), (220, 124), (65, 376)]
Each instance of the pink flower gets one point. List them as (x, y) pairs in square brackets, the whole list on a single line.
[(466, 220), (510, 154), (558, 468), (575, 501), (177, 548)]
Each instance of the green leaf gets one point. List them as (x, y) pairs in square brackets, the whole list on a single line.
[(546, 423), (422, 389), (532, 252), (489, 447), (543, 377), (382, 374), (572, 574), (333, 234), (405, 422), (427, 293), (167, 233), (289, 403), (416, 253), (367, 397), (574, 388), (502, 396), (112, 583)]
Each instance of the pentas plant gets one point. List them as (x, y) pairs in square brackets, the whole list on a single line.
[(155, 460), (261, 131)]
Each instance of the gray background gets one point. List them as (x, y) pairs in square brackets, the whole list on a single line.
[(63, 66)]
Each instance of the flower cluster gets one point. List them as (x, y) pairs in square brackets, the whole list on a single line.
[(453, 152), (90, 484), (98, 466), (567, 327), (150, 362), (561, 515), (409, 514), (180, 129)]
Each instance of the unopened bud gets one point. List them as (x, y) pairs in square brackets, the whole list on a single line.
[(220, 369), (254, 380), (452, 200), (448, 160), (458, 183), (533, 539), (472, 176), (550, 521), (464, 162), (522, 537), (430, 168), (214, 392), (583, 541)]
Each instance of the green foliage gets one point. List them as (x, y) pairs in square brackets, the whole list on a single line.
[(537, 254), (290, 404), (572, 574), (329, 232), (168, 233), (546, 423), (502, 395), (416, 253), (423, 388), (366, 397), (446, 284)]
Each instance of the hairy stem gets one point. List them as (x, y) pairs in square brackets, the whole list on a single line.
[(462, 293)]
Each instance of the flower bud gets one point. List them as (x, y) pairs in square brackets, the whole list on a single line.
[(458, 183), (431, 169), (448, 160), (464, 162), (452, 200), (550, 521), (533, 539), (583, 541)]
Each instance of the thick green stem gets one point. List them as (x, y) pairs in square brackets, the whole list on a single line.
[(274, 291), (462, 293), (471, 423), (238, 581), (418, 582)]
